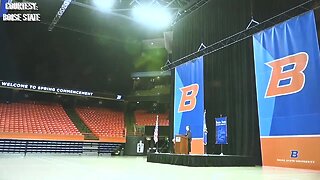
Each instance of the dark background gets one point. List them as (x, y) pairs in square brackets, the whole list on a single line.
[(229, 73), (88, 50)]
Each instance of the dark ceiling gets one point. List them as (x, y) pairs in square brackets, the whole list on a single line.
[(87, 50)]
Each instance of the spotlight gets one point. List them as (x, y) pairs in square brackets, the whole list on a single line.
[(104, 5), (153, 16)]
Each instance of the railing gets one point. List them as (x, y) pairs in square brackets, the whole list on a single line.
[(70, 147)]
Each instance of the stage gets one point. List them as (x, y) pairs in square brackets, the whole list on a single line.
[(201, 160)]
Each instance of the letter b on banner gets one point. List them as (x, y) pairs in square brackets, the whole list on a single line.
[(189, 98), (295, 75)]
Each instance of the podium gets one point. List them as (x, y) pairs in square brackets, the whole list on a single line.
[(181, 144)]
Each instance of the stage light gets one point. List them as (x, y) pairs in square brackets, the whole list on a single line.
[(119, 97), (104, 5), (153, 16)]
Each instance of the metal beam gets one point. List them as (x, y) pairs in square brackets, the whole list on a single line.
[(173, 5), (242, 35), (59, 14), (191, 7), (96, 9), (117, 12)]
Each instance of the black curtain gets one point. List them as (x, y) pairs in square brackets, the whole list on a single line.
[(229, 73)]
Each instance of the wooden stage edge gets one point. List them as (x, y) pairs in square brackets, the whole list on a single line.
[(201, 160)]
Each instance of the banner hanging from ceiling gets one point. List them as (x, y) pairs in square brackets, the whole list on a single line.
[(189, 102), (287, 66)]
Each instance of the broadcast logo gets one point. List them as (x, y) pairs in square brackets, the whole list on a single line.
[(19, 11)]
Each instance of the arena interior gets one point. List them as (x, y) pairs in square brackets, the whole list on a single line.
[(87, 90)]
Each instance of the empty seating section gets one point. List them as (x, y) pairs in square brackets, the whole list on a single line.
[(103, 122), (143, 118), (34, 118)]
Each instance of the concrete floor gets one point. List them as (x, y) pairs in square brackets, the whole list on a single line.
[(47, 167)]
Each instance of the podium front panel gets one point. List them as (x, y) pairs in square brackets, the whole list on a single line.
[(181, 144)]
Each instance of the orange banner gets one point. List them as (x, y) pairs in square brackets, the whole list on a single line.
[(291, 152), (197, 146)]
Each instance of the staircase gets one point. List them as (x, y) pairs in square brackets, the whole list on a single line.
[(129, 120), (81, 126)]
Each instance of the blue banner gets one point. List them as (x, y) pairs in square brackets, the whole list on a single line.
[(189, 99), (287, 66), (221, 130)]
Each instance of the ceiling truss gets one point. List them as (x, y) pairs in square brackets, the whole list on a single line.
[(178, 8)]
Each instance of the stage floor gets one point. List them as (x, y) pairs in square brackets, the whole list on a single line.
[(48, 167), (208, 160)]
